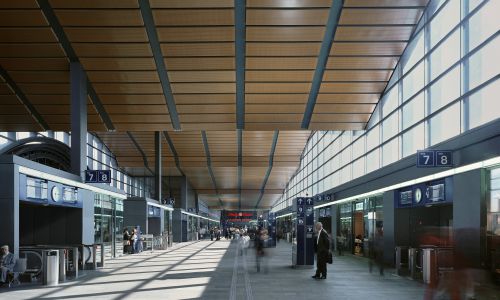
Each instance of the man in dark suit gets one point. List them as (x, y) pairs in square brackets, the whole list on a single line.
[(6, 263), (322, 248)]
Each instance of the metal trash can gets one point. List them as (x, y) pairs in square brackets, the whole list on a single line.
[(412, 262), (50, 267), (429, 266)]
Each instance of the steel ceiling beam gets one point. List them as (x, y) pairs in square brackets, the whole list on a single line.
[(269, 169), (174, 152), (209, 163), (326, 46), (149, 23), (240, 164), (58, 30), (24, 100), (240, 40), (138, 147)]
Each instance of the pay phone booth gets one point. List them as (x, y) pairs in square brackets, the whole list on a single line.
[(302, 245)]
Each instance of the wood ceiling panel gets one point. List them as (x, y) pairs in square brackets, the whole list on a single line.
[(112, 49), (187, 99), (31, 50), (128, 88), (203, 88), (226, 178), (66, 119), (125, 76), (99, 17), (281, 63), (253, 177), (340, 118), (40, 76), (142, 126), (276, 98), (344, 108), (347, 98), (367, 49), (361, 62), (26, 35), (19, 4), (279, 76), (257, 143), (381, 3), (58, 109), (337, 126), (275, 108), (271, 117), (356, 75), (280, 176), (12, 109), (272, 126), (136, 109), (193, 17), (140, 118), (50, 99), (277, 88), (133, 99), (21, 18), (207, 118), (107, 34), (206, 109), (9, 99), (195, 34), (94, 4), (289, 3), (380, 16), (200, 63), (352, 87), (209, 126), (282, 49), (45, 88), (119, 64), (197, 49), (44, 64), (371, 33), (285, 34), (191, 3), (202, 76), (285, 17)]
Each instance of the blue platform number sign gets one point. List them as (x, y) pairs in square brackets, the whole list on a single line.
[(425, 159), (444, 159), (98, 176)]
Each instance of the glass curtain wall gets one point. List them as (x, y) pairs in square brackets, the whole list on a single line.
[(108, 224), (444, 84)]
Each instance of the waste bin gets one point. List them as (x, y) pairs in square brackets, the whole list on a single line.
[(50, 267), (412, 262), (429, 266)]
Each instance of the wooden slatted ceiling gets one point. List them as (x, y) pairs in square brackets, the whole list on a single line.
[(33, 58), (370, 38)]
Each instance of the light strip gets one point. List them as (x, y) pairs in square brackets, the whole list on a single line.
[(43, 175), (160, 206), (285, 215), (202, 217), (479, 165)]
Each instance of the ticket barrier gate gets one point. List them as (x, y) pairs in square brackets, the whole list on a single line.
[(401, 260), (67, 262), (89, 256)]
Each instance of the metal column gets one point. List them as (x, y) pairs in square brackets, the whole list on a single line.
[(78, 119), (158, 169)]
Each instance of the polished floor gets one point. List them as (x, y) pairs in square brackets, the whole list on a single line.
[(215, 270)]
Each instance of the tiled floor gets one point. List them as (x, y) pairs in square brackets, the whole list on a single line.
[(214, 270)]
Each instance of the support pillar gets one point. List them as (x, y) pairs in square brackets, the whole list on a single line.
[(158, 170), (78, 119)]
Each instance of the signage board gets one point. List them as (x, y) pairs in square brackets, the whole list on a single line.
[(425, 159), (98, 176), (434, 158), (303, 246)]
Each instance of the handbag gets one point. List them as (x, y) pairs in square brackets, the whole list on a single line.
[(330, 257)]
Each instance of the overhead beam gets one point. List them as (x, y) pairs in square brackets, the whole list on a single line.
[(240, 40), (209, 164), (235, 191), (326, 46), (158, 166), (174, 152), (58, 30), (240, 164), (269, 169), (138, 147), (149, 23), (24, 100)]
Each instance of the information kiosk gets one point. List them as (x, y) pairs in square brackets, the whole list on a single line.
[(303, 241)]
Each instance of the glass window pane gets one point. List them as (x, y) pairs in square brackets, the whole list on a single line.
[(484, 63), (390, 101), (481, 105), (390, 152), (358, 168), (358, 148), (414, 81), (373, 138), (446, 19), (414, 52), (445, 125), (372, 161), (413, 111), (484, 23), (445, 55), (346, 174), (390, 127), (413, 140), (445, 90)]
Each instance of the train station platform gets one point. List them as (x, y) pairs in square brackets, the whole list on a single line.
[(215, 270)]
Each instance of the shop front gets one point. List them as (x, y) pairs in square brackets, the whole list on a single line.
[(108, 224)]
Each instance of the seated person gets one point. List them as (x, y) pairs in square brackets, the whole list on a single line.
[(7, 262)]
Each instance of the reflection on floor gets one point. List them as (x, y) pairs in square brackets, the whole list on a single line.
[(216, 270)]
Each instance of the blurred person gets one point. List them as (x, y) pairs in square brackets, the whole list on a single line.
[(139, 241), (126, 241), (217, 234), (322, 249), (377, 251), (259, 250), (133, 240), (226, 233), (7, 262), (212, 234), (341, 239)]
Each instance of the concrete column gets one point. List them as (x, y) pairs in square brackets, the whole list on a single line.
[(9, 202), (158, 167), (334, 217), (389, 228), (78, 119)]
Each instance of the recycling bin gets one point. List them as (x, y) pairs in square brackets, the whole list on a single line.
[(50, 267)]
